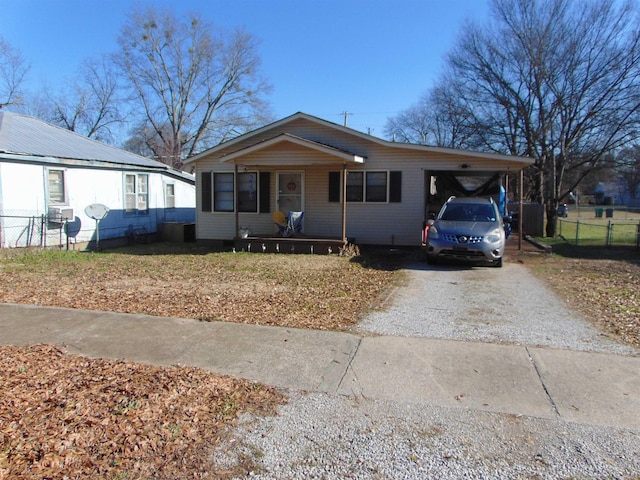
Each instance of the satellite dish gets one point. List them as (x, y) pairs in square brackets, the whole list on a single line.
[(97, 211)]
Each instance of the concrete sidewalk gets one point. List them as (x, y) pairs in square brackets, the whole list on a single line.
[(592, 388)]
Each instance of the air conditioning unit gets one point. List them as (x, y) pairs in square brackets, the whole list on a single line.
[(60, 214)]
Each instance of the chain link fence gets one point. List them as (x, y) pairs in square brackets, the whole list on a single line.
[(20, 228), (592, 232)]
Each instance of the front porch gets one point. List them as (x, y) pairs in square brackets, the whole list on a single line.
[(298, 244)]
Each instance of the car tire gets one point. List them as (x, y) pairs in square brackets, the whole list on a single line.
[(498, 263)]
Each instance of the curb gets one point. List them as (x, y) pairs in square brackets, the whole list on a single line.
[(542, 246)]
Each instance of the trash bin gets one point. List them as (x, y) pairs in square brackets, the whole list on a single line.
[(609, 213), (599, 212)]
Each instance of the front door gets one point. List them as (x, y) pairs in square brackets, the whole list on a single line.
[(290, 192)]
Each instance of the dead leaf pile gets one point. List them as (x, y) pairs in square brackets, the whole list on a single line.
[(65, 416), (308, 291)]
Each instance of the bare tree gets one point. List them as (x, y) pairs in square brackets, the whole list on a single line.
[(13, 71), (89, 105), (196, 86), (412, 125), (557, 80), (437, 119)]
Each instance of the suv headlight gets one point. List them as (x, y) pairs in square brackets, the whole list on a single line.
[(494, 236), (433, 232)]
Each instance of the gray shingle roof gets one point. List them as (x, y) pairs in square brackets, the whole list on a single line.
[(24, 135)]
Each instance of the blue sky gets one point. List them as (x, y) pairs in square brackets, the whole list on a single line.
[(371, 58)]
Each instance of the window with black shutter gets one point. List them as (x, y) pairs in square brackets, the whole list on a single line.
[(334, 186), (395, 187), (206, 192), (265, 192)]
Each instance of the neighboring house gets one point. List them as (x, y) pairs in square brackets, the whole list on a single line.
[(303, 163), (614, 193), (49, 175)]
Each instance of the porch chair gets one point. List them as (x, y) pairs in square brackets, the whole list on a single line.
[(294, 225), (281, 222)]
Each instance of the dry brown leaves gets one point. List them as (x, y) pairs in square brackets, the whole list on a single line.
[(606, 291), (65, 416), (72, 417), (308, 291)]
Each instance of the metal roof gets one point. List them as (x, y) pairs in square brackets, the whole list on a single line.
[(28, 136), (521, 162)]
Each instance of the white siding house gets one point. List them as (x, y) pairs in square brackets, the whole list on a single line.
[(49, 175), (303, 163)]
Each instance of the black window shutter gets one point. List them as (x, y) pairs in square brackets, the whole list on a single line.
[(395, 187), (265, 192), (206, 191), (334, 186)]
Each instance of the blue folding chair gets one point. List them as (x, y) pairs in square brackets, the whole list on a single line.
[(294, 225)]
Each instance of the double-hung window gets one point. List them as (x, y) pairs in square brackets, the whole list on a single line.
[(367, 186), (223, 192), (376, 187), (247, 192), (169, 195), (56, 187), (218, 192), (136, 193), (355, 183)]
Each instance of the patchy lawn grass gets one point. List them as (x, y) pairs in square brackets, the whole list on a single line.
[(307, 291), (602, 283)]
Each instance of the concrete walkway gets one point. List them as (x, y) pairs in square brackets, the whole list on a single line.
[(592, 388)]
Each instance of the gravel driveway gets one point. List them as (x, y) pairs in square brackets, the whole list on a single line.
[(334, 437), (508, 305)]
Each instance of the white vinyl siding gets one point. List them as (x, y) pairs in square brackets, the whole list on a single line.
[(374, 222)]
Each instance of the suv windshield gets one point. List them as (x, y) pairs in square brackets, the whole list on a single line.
[(469, 213)]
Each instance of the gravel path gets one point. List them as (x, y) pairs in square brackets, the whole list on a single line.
[(326, 437), (333, 437)]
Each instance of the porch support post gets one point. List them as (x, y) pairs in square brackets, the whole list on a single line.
[(344, 203), (235, 198), (520, 210)]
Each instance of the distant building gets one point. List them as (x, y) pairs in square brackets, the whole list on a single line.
[(614, 193), (49, 176)]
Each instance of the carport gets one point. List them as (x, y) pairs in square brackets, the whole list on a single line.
[(439, 185)]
